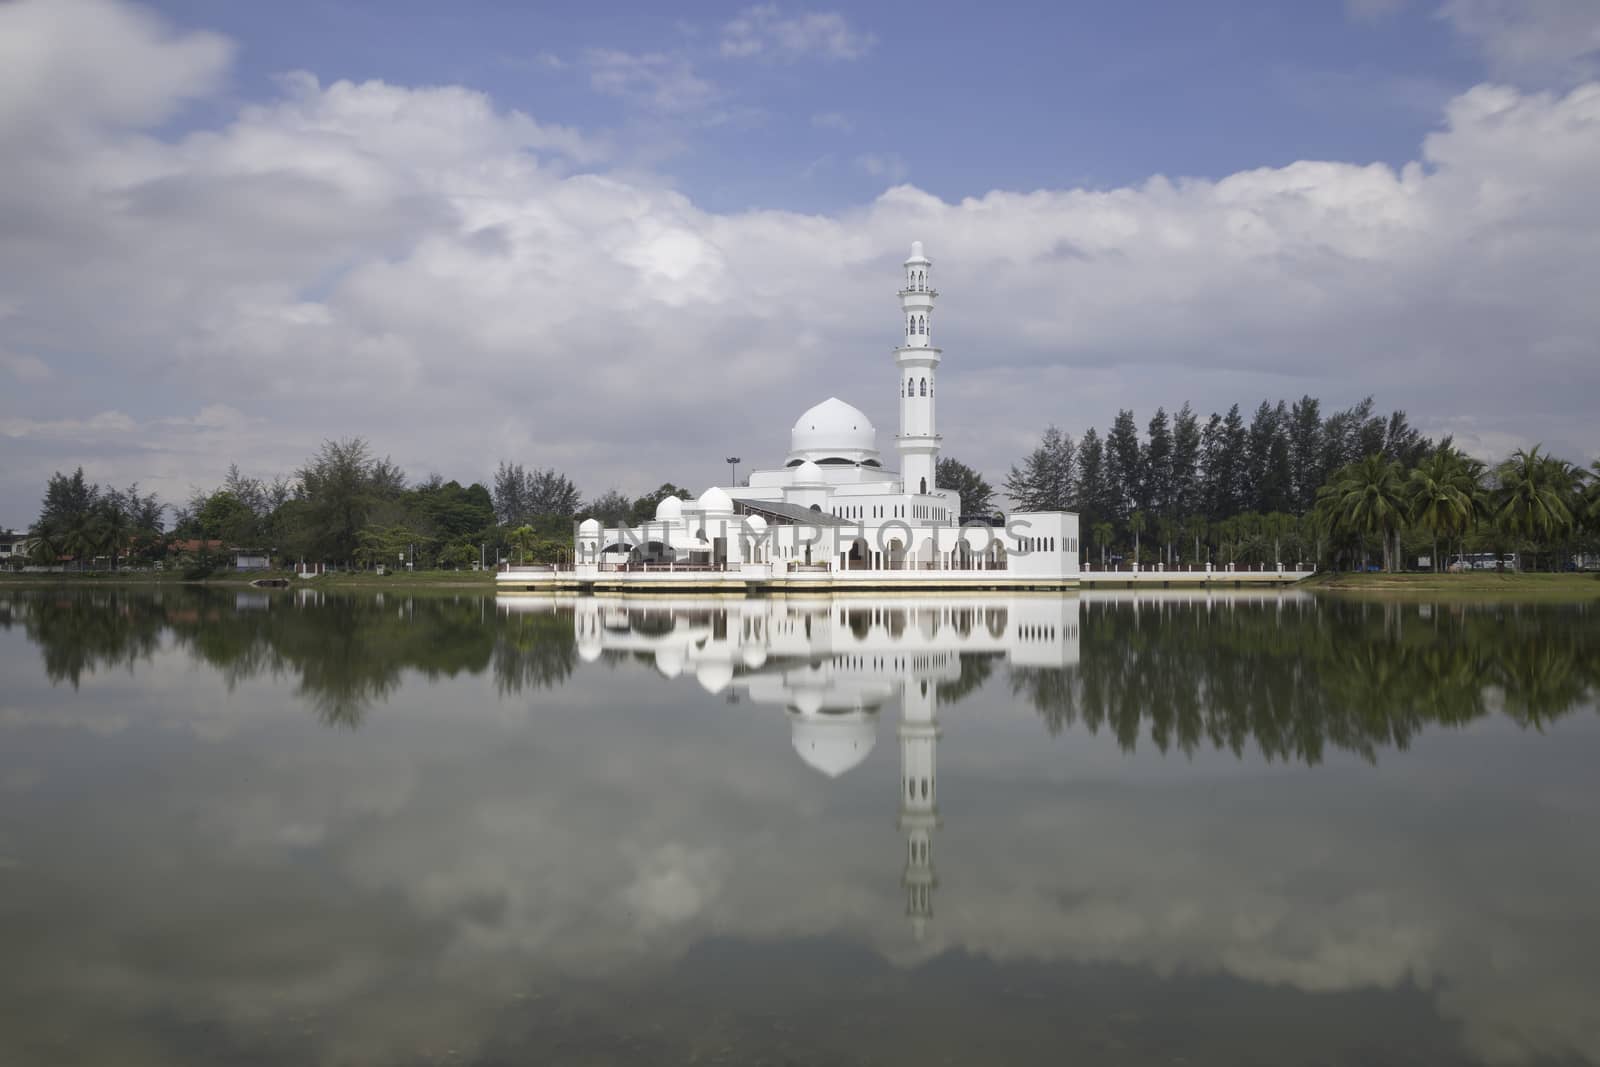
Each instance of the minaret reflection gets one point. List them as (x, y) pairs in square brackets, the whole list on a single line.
[(833, 664), (919, 796)]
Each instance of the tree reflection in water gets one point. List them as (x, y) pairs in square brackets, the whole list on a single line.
[(1293, 676), (347, 654), (1299, 676)]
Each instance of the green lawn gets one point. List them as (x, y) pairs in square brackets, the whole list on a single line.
[(1470, 585)]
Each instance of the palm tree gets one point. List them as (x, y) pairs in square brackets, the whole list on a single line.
[(1278, 526), (1102, 537), (1591, 498), (1195, 527), (1438, 503), (1137, 524), (1532, 499), (1367, 498), (1169, 533)]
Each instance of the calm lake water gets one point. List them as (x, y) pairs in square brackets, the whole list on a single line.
[(1256, 829)]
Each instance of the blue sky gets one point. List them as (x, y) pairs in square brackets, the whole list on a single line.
[(626, 242), (959, 98)]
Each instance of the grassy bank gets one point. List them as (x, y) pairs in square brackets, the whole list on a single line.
[(482, 581), (1471, 585)]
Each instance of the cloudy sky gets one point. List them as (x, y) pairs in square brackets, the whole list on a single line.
[(630, 243)]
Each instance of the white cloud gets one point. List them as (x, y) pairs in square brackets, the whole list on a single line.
[(659, 80), (448, 279), (1532, 39), (833, 120), (886, 165), (24, 368), (764, 30)]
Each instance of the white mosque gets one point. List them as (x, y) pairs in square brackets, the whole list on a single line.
[(833, 664), (833, 516)]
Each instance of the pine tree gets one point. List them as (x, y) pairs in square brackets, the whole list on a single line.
[(1044, 481), (1093, 497), (1157, 460), (1186, 499), (1305, 453), (1124, 466)]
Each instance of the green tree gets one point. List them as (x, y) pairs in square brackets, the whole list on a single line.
[(1195, 527), (1137, 524), (1437, 499), (71, 519), (1103, 532), (1125, 474), (1367, 499), (1044, 481), (1532, 500), (1094, 492), (224, 517), (611, 508), (974, 494), (341, 486)]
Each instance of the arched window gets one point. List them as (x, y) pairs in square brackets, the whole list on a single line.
[(924, 485), (922, 389), (922, 324)]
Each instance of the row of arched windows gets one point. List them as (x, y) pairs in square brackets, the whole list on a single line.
[(917, 324), (916, 387), (918, 281)]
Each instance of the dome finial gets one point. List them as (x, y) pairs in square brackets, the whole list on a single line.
[(916, 249)]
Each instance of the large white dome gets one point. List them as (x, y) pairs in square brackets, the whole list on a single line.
[(833, 430), (715, 502), (832, 744)]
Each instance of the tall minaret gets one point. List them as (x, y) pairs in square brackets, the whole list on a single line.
[(919, 809), (918, 362)]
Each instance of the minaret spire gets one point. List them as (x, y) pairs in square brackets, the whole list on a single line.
[(918, 363)]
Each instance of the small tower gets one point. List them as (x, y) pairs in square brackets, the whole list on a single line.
[(918, 363), (919, 810)]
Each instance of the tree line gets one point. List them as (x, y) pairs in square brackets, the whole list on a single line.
[(345, 506), (1293, 484)]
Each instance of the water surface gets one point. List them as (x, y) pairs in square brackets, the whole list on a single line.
[(1264, 828)]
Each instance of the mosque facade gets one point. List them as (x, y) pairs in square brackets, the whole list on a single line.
[(834, 511)]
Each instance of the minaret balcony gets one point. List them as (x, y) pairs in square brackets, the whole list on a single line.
[(927, 291)]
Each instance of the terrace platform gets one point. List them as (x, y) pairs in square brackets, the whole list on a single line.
[(758, 579)]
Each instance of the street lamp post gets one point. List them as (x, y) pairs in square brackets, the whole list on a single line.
[(733, 469)]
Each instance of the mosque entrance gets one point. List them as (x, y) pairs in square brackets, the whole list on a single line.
[(859, 558)]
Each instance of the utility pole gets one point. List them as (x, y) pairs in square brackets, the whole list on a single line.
[(733, 469)]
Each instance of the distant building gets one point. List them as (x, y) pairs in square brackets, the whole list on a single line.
[(251, 559), (13, 546)]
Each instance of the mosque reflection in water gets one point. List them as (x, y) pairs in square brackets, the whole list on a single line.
[(833, 665)]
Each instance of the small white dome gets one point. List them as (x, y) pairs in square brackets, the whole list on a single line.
[(754, 656), (714, 501), (916, 254), (833, 430), (589, 651), (670, 508), (669, 661), (755, 523), (833, 744), (589, 527), (808, 473), (714, 676)]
